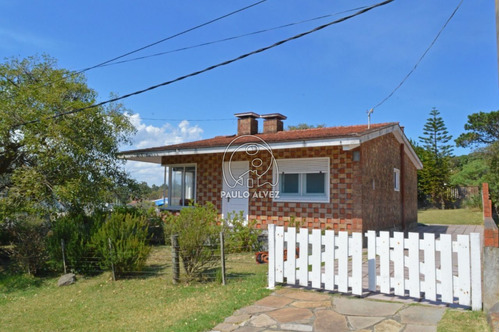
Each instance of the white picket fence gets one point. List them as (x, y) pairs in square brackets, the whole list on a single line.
[(443, 270)]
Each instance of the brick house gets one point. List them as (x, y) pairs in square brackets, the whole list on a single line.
[(343, 178)]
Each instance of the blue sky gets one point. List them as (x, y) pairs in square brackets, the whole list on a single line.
[(330, 77)]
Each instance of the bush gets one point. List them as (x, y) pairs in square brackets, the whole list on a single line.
[(128, 235), (28, 238), (153, 219), (76, 231), (198, 237), (473, 202), (240, 235)]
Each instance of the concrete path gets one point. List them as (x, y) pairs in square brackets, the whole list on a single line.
[(291, 309)]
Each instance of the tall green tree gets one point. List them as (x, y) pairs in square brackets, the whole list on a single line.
[(482, 135), (434, 178), (50, 162)]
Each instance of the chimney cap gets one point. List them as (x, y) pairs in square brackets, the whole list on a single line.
[(246, 115), (273, 116)]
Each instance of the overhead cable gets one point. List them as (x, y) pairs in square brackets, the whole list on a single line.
[(420, 59), (227, 62), (229, 38), (171, 37)]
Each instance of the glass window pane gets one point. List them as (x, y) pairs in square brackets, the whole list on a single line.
[(315, 183), (176, 191), (189, 179), (289, 183)]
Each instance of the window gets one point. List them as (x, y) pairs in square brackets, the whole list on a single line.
[(181, 185), (303, 180), (397, 179)]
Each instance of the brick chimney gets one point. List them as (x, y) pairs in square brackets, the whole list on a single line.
[(273, 122), (247, 123)]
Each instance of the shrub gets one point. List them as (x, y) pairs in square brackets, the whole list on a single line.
[(240, 235), (128, 236), (28, 238), (198, 237), (153, 219), (76, 232), (473, 202)]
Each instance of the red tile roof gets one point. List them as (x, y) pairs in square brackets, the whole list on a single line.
[(282, 136)]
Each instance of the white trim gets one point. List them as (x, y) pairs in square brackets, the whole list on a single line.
[(310, 165), (275, 146), (397, 179), (170, 166)]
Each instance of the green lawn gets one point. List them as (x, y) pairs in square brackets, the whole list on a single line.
[(463, 321), (146, 303), (450, 217)]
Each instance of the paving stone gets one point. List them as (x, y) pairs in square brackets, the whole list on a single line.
[(284, 291), (237, 319), (296, 327), (274, 301), (328, 321), (225, 327), (420, 328), (307, 296), (420, 315), (312, 304), (253, 309), (287, 315), (248, 329), (359, 322), (262, 320), (367, 308), (388, 325)]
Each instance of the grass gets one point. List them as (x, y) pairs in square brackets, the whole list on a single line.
[(463, 321), (147, 302), (451, 217)]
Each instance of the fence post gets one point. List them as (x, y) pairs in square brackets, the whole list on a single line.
[(271, 274), (222, 258), (63, 255), (111, 255), (175, 258)]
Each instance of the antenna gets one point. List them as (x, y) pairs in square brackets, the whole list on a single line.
[(369, 116)]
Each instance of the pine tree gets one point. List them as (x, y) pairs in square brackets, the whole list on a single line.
[(434, 177)]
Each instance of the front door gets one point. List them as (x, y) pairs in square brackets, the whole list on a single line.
[(235, 188)]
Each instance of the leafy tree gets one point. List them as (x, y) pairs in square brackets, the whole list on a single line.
[(482, 129), (434, 177), (305, 126), (47, 161), (482, 134)]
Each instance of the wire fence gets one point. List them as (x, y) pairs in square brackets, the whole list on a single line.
[(218, 261)]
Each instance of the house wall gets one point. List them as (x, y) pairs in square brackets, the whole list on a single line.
[(410, 198), (342, 212), (382, 206), (354, 205)]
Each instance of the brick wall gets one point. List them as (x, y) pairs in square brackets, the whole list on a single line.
[(410, 199), (339, 214), (490, 228), (381, 204), (354, 205)]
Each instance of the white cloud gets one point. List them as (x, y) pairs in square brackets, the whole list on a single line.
[(148, 136)]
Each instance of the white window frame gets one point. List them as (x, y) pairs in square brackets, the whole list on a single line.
[(302, 166), (397, 179), (170, 187)]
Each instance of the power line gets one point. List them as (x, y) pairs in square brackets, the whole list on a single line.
[(227, 62), (421, 58), (230, 38), (172, 36), (190, 120)]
